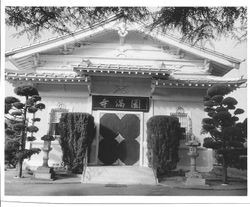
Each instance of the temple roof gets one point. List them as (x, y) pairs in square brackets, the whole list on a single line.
[(81, 79), (67, 52), (108, 24), (205, 83), (46, 78), (136, 70)]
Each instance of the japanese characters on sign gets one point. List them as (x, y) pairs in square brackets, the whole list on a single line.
[(120, 103)]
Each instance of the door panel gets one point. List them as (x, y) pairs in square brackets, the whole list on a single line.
[(119, 141)]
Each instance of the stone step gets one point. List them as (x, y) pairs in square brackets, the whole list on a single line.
[(119, 175)]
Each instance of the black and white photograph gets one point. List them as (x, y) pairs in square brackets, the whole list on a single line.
[(115, 101)]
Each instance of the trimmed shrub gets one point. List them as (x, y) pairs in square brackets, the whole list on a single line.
[(40, 106), (227, 135), (18, 128), (238, 111), (16, 113), (36, 119), (163, 135), (77, 131), (48, 138), (36, 98), (27, 153), (18, 105), (11, 100), (31, 138), (32, 129), (218, 89), (32, 109), (25, 91)]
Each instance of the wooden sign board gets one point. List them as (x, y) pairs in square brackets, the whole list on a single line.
[(120, 103)]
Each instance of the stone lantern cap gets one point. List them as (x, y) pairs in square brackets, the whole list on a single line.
[(193, 142)]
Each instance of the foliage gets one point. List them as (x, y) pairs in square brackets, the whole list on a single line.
[(31, 138), (227, 135), (48, 137), (194, 23), (76, 135), (16, 113), (27, 153), (25, 91), (32, 129), (40, 106), (238, 111), (18, 129), (33, 20), (10, 151), (36, 119), (163, 134), (32, 109), (7, 108), (18, 105), (36, 98), (11, 100), (197, 23), (218, 89), (9, 132)]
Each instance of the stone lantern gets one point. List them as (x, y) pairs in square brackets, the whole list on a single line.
[(44, 171), (46, 149), (193, 177)]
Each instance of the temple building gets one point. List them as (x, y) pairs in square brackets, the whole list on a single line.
[(122, 74)]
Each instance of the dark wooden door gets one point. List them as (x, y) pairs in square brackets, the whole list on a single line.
[(119, 141)]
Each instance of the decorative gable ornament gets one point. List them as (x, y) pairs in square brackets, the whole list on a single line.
[(85, 63), (122, 32), (66, 51)]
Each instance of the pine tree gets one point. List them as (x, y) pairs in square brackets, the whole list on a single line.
[(18, 127), (193, 23), (227, 135)]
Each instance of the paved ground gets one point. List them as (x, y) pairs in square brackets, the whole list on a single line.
[(71, 186), (94, 189)]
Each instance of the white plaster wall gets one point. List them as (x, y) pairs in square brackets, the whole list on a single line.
[(166, 101), (54, 95)]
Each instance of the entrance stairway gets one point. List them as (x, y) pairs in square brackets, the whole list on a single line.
[(119, 175)]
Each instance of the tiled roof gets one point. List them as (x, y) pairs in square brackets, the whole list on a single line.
[(46, 77), (78, 79), (197, 83), (123, 69)]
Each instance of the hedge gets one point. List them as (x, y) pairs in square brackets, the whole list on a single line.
[(77, 131), (163, 135)]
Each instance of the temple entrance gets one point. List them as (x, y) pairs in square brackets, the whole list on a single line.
[(119, 138)]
